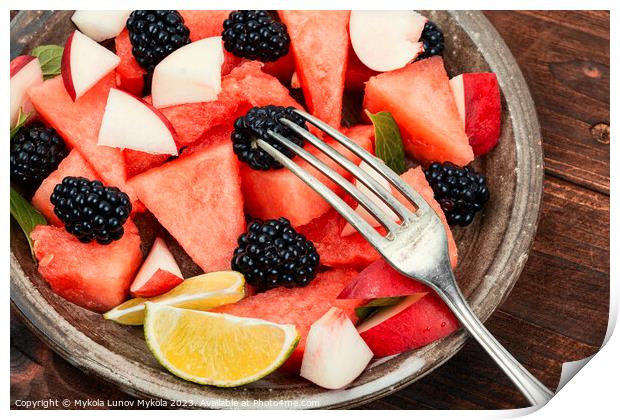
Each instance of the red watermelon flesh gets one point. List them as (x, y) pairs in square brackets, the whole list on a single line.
[(217, 135), (283, 68), (78, 124), (204, 23), (280, 193), (138, 162), (197, 198), (353, 250), (425, 321), (336, 251), (250, 83), (129, 74), (192, 121), (299, 306), (357, 73), (420, 99), (320, 46), (94, 276), (73, 165)]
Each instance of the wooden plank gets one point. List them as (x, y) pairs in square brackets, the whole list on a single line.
[(565, 60)]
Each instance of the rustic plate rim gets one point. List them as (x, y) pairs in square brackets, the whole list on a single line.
[(96, 359)]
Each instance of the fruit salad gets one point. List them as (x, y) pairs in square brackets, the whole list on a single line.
[(250, 271)]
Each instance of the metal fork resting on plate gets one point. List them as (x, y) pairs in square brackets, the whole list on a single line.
[(417, 246)]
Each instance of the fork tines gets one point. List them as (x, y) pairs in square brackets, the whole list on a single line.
[(385, 219)]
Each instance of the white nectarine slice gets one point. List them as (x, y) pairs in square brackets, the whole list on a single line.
[(159, 272), (335, 354), (131, 123), (190, 74), (84, 63), (100, 24), (386, 40), (25, 72)]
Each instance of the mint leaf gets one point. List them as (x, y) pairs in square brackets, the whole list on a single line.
[(26, 216), (22, 118), (49, 57), (374, 305), (388, 142)]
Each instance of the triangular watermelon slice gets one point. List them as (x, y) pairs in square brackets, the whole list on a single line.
[(420, 99), (197, 198), (73, 165), (300, 306), (320, 46), (78, 123)]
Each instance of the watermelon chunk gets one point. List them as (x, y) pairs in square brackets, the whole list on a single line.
[(192, 121), (78, 123), (129, 74), (357, 73), (353, 250), (299, 306), (283, 68), (204, 23), (320, 46), (197, 198), (73, 165), (421, 101), (250, 83), (279, 193), (138, 162), (94, 276)]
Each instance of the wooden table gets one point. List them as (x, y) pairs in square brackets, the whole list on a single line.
[(558, 309)]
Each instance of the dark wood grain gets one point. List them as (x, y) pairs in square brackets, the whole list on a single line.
[(558, 309)]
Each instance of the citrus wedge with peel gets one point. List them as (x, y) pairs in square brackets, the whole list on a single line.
[(216, 349), (202, 292)]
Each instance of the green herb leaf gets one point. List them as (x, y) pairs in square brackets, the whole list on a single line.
[(26, 216), (371, 307), (22, 118), (388, 142), (49, 57)]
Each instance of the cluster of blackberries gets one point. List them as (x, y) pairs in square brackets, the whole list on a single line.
[(154, 34), (272, 254), (91, 211), (255, 125), (460, 192), (36, 151), (432, 38), (255, 35)]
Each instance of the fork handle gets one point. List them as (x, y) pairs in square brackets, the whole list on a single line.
[(530, 387)]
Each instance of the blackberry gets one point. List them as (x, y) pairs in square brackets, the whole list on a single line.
[(255, 35), (154, 34), (460, 192), (272, 254), (254, 125), (91, 211), (432, 38), (36, 151)]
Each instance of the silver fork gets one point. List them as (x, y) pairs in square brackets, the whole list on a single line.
[(416, 246)]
